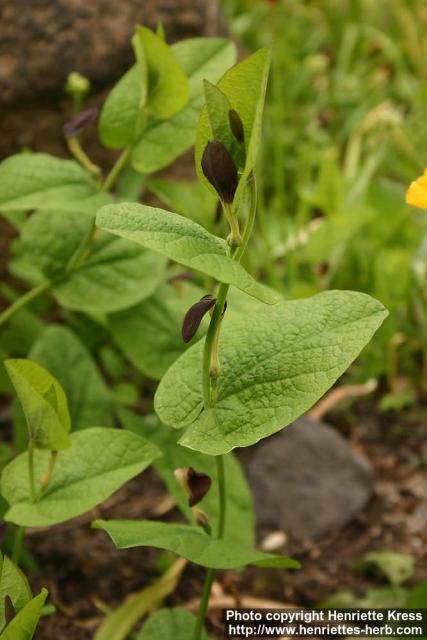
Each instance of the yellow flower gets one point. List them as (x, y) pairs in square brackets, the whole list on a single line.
[(417, 192)]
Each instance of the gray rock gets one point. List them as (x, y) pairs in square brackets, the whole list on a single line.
[(307, 481)]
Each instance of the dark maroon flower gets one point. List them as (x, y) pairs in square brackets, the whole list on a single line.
[(218, 167), (194, 316), (195, 484)]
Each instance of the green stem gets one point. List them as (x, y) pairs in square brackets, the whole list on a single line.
[(82, 158), (204, 603), (23, 300), (116, 170), (210, 373), (222, 496), (249, 222), (17, 544), (31, 470)]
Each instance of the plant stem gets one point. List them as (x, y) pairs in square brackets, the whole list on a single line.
[(82, 158), (17, 544), (23, 300), (31, 470), (116, 169), (211, 373), (222, 496), (204, 604)]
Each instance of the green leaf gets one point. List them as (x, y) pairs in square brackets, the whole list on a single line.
[(166, 93), (116, 275), (14, 584), (170, 623), (165, 140), (64, 355), (240, 521), (275, 364), (44, 404), (181, 240), (168, 88), (190, 543), (24, 624), (49, 239), (244, 85), (38, 180), (150, 333), (396, 567), (98, 463)]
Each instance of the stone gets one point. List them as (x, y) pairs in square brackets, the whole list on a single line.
[(307, 481), (43, 40)]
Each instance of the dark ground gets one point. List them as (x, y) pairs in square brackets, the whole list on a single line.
[(83, 571)]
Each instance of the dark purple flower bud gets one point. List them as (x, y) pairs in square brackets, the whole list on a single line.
[(194, 316), (219, 168), (76, 125), (236, 125), (195, 484), (9, 609)]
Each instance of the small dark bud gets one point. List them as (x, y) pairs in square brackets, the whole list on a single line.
[(76, 125), (195, 484), (9, 609), (236, 125), (218, 167), (194, 316)]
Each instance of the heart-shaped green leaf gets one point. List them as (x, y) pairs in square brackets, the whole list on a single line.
[(190, 543), (275, 364), (170, 623), (38, 180), (244, 86), (24, 624), (156, 84), (98, 463), (44, 404), (164, 140), (181, 240), (61, 352)]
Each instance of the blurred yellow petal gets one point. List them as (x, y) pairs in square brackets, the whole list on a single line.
[(417, 192)]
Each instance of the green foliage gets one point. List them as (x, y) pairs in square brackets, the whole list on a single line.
[(24, 624), (189, 542), (44, 404), (98, 463), (150, 333), (275, 365), (37, 180), (396, 567), (181, 240), (156, 86), (165, 140), (169, 623), (61, 352), (13, 584)]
